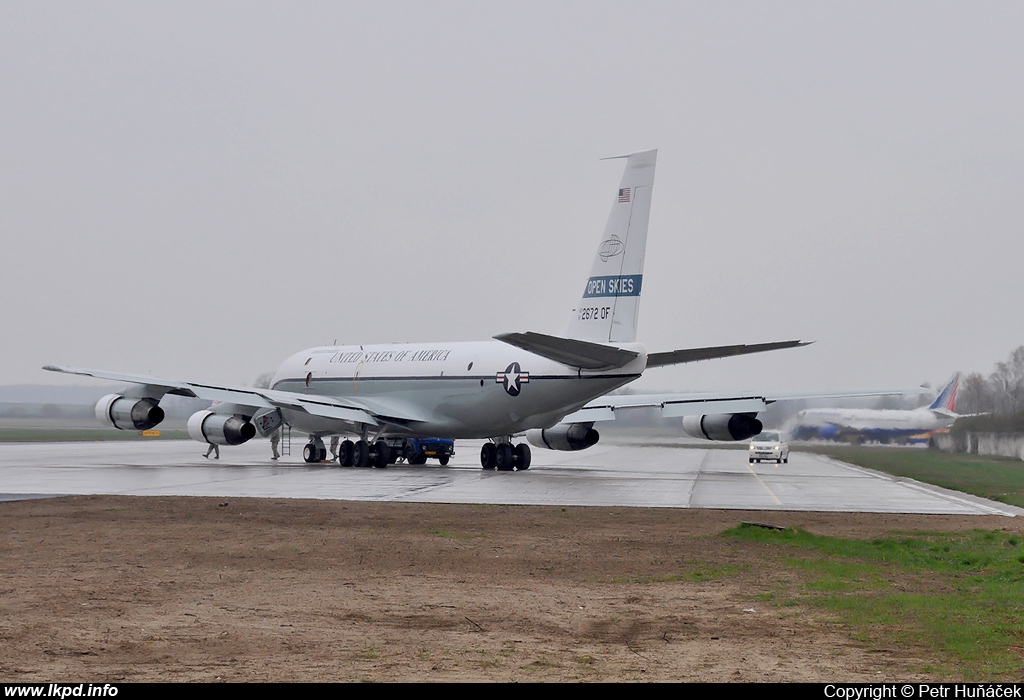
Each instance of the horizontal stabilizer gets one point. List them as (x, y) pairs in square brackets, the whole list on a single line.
[(677, 357), (574, 353)]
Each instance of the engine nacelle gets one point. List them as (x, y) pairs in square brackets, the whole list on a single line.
[(730, 426), (567, 437), (220, 428), (123, 413)]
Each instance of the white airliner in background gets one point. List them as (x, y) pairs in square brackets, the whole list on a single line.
[(545, 387), (882, 425)]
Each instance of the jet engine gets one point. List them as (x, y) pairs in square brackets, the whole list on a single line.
[(729, 426), (128, 414), (220, 428), (566, 437)]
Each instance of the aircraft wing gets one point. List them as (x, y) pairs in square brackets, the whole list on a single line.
[(696, 404), (312, 404)]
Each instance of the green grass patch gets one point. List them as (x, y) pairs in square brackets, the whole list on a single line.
[(958, 595), (996, 478)]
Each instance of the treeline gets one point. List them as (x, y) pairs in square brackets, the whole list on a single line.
[(997, 401), (46, 411), (175, 407)]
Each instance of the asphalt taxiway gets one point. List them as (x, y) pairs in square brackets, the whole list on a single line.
[(638, 475)]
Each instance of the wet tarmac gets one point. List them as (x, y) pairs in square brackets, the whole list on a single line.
[(638, 475)]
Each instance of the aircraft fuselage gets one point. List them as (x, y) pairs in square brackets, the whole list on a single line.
[(456, 390)]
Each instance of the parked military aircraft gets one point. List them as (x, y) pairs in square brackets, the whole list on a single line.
[(548, 388)]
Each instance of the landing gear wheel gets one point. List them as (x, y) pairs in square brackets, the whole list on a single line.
[(504, 457), (360, 454), (314, 451), (345, 453), (381, 454), (488, 456), (523, 457)]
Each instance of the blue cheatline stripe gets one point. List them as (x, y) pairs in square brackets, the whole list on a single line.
[(613, 286)]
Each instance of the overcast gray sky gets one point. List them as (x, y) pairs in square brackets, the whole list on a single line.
[(196, 190)]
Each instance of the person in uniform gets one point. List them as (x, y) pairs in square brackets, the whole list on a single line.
[(275, 440)]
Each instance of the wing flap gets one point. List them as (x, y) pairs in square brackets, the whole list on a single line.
[(323, 410), (590, 415), (679, 409), (668, 405)]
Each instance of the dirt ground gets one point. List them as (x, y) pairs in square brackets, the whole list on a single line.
[(111, 589)]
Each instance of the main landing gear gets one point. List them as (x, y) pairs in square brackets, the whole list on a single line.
[(360, 453), (363, 453), (505, 457)]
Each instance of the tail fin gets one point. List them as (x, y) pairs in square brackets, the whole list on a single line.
[(607, 311), (946, 400)]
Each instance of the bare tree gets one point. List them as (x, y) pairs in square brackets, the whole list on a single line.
[(975, 395), (1007, 383)]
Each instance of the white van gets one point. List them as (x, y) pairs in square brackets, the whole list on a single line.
[(769, 445)]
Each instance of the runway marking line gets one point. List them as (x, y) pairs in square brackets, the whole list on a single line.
[(771, 493)]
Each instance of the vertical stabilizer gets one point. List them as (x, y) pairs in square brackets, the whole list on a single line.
[(946, 400), (607, 311)]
